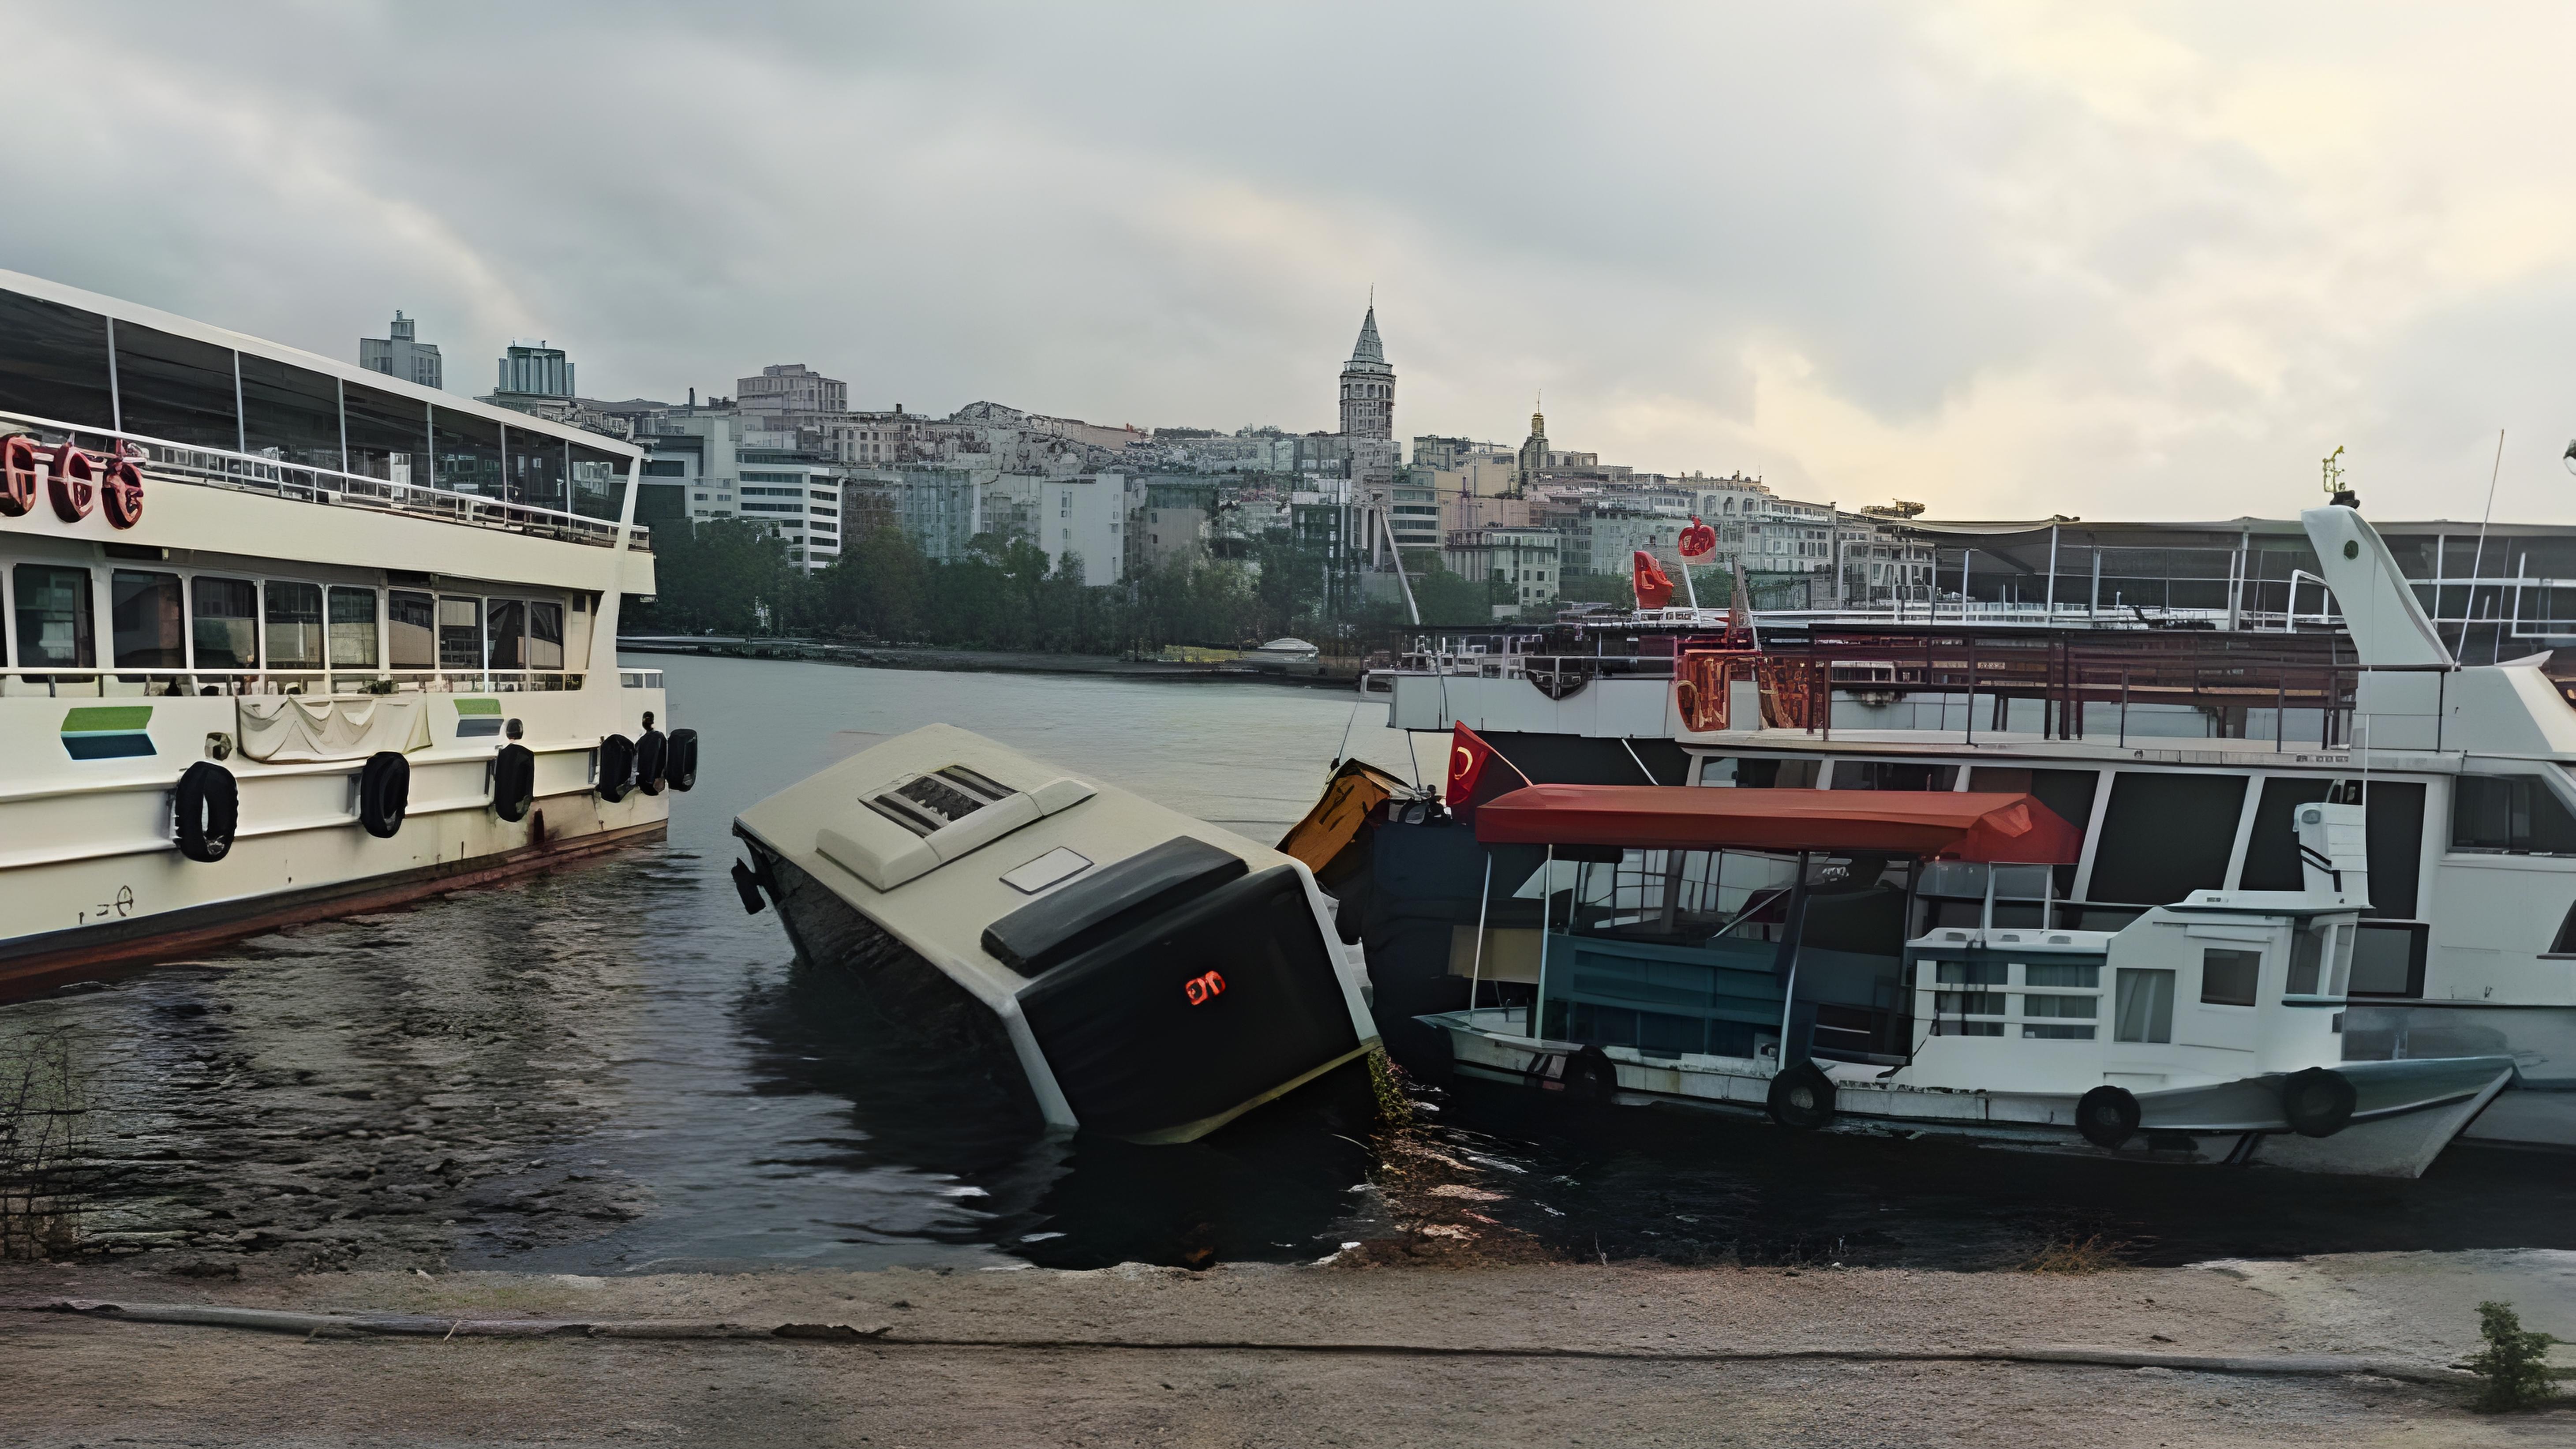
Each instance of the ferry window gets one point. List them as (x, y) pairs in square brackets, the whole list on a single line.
[(353, 628), (2514, 814), (2272, 849), (291, 414), (2564, 943), (2228, 977), (2143, 1008), (53, 362), (468, 453), (545, 636), (294, 625), (2394, 842), (176, 388), (1893, 775), (411, 630), (53, 614), (149, 620), (2165, 836), (1755, 773), (385, 433), (599, 482), (508, 621), (460, 633), (536, 468), (226, 627), (2387, 960), (2067, 793)]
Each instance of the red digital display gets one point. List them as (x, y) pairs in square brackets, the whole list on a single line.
[(1203, 989)]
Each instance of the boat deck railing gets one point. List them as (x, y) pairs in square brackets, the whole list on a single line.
[(127, 682), (161, 459)]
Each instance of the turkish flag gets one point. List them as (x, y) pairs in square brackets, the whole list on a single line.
[(1654, 587), (1468, 755)]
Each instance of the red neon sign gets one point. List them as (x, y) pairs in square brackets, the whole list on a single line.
[(1203, 989)]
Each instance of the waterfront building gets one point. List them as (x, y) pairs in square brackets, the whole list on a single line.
[(792, 388), (1081, 523), (798, 496), (535, 369), (1525, 559), (402, 354)]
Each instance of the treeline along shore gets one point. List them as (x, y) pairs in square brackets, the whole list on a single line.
[(734, 577)]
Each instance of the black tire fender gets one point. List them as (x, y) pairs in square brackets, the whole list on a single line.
[(2318, 1101), (1590, 1075), (1802, 1096), (682, 771), (652, 761), (2107, 1116), (208, 811), (616, 768), (384, 793), (514, 782), (747, 885)]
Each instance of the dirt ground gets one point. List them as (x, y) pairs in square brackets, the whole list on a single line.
[(1137, 1355)]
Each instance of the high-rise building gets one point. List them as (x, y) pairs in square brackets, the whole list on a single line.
[(402, 355), (535, 369), (792, 387)]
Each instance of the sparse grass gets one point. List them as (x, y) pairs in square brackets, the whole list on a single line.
[(1394, 1107), (2076, 1256), (2514, 1364)]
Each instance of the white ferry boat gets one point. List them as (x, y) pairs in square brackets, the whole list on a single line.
[(2181, 755), (281, 638)]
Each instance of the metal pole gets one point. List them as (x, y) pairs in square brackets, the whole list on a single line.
[(1971, 711), (1546, 902), (1791, 940), (2093, 605), (2051, 605), (1476, 973), (2124, 709)]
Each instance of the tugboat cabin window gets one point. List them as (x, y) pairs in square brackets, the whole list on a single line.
[(2165, 835), (2509, 814), (294, 625), (150, 622), (2144, 1009), (2228, 978), (226, 628), (411, 630), (53, 614), (53, 362)]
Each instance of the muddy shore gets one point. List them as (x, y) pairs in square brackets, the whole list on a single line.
[(1349, 1352)]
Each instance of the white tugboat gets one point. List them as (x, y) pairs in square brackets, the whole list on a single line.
[(285, 638), (1123, 968)]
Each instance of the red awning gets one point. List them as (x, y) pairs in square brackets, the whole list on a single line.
[(1931, 823)]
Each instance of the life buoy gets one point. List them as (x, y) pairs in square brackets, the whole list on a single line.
[(384, 793), (514, 782), (207, 811), (682, 770), (652, 761), (2317, 1101), (18, 469), (616, 768), (2107, 1116), (73, 480), (1802, 1096), (120, 493)]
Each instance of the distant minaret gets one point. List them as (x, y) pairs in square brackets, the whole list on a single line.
[(1368, 386)]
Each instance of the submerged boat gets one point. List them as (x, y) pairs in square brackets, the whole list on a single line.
[(285, 638), (1124, 968)]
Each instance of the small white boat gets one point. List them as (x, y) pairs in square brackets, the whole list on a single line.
[(1285, 656), (1139, 973), (2209, 1030)]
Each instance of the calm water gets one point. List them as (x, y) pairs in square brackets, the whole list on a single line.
[(613, 1069)]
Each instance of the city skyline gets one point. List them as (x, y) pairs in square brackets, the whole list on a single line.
[(2010, 261)]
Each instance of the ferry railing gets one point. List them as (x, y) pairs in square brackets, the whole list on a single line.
[(128, 682), (256, 473)]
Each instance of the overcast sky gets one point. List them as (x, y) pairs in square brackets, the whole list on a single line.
[(2004, 259)]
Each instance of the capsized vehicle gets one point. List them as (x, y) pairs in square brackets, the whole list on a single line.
[(1132, 970)]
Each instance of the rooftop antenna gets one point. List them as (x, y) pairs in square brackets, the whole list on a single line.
[(2336, 493)]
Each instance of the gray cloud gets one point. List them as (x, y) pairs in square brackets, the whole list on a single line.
[(2005, 260)]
